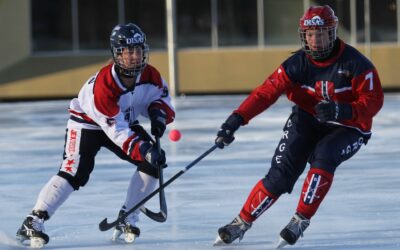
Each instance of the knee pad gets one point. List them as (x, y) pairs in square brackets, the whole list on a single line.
[(76, 170), (76, 181), (280, 180)]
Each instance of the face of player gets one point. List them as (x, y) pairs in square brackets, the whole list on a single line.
[(317, 39), (131, 57)]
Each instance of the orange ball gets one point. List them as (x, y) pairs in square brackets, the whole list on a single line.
[(175, 135)]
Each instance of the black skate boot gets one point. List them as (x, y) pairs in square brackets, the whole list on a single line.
[(32, 229), (230, 232), (292, 232), (126, 227)]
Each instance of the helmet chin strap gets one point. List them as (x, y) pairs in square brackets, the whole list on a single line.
[(332, 53), (127, 80), (120, 72)]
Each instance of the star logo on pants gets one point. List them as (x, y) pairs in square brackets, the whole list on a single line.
[(68, 167)]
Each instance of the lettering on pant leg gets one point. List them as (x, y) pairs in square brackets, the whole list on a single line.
[(352, 147), (282, 146), (360, 141), (72, 141), (71, 162), (355, 146), (289, 123), (285, 134), (278, 159)]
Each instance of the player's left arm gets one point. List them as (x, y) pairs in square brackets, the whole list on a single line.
[(367, 90), (367, 87), (160, 110), (161, 100)]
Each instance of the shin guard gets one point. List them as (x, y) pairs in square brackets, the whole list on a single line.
[(140, 185), (315, 187), (53, 195), (259, 201)]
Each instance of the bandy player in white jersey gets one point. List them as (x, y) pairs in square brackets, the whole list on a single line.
[(105, 114)]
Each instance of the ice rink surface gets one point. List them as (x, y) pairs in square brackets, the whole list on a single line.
[(361, 210)]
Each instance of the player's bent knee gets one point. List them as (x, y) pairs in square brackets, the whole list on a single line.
[(326, 165), (147, 169), (278, 181)]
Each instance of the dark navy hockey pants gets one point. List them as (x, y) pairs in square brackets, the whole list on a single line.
[(305, 139)]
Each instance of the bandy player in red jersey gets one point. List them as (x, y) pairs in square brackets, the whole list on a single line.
[(336, 92), (105, 114)]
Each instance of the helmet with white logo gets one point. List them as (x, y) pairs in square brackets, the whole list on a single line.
[(322, 20), (129, 36)]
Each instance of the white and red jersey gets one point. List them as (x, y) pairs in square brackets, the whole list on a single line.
[(347, 77), (104, 103)]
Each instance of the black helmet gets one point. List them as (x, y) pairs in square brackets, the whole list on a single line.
[(128, 36)]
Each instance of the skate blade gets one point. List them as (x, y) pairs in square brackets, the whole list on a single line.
[(128, 237), (219, 242), (22, 239), (37, 242), (116, 235), (281, 243)]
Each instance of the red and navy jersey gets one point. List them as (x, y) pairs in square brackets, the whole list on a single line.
[(104, 103), (346, 77)]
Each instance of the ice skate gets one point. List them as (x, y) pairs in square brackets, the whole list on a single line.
[(32, 230), (230, 232), (292, 232), (126, 227)]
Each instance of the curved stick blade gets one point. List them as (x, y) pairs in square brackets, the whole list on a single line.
[(159, 217), (104, 225)]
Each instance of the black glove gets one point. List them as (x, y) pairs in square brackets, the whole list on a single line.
[(332, 111), (151, 155), (158, 122), (228, 128)]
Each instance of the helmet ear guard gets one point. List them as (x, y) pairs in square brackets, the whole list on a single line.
[(128, 36), (322, 20)]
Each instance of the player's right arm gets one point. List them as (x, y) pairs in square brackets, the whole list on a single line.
[(258, 101), (264, 95)]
